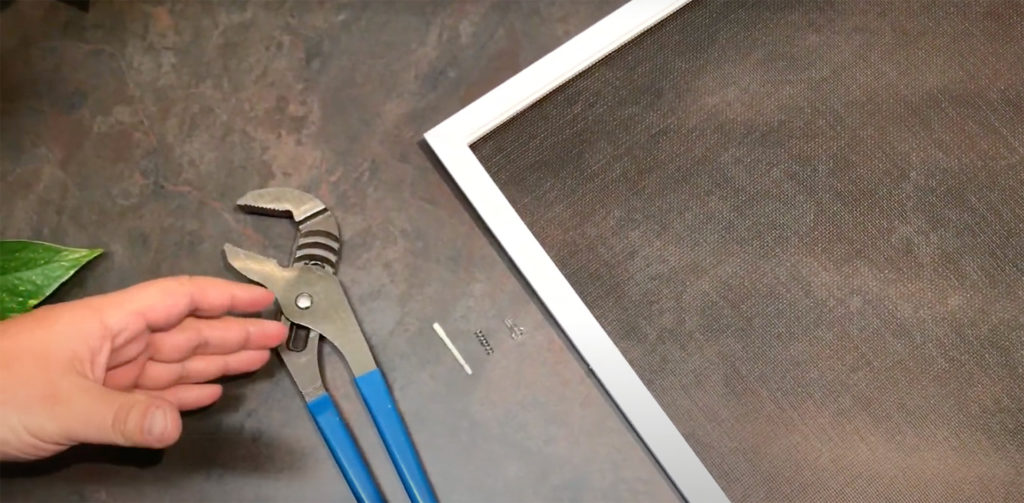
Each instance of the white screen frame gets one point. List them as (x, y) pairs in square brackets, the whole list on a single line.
[(451, 141)]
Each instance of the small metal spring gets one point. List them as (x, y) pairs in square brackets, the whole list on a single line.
[(482, 339)]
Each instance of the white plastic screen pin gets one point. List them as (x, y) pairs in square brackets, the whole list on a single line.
[(451, 347)]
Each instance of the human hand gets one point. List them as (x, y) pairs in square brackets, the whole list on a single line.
[(117, 368)]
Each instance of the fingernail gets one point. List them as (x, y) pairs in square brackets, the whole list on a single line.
[(156, 423)]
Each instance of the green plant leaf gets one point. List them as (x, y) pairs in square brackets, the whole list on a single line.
[(31, 270)]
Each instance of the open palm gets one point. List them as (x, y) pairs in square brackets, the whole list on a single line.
[(117, 368)]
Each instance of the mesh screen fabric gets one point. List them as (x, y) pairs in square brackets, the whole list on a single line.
[(802, 222)]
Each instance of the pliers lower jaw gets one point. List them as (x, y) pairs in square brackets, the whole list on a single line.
[(312, 300), (309, 296)]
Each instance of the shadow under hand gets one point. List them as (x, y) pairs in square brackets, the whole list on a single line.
[(81, 454), (226, 449)]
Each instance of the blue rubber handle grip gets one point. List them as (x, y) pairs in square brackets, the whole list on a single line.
[(344, 450), (377, 396)]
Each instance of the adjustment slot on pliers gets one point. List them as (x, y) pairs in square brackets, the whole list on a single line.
[(298, 338)]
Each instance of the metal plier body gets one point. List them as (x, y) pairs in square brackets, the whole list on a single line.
[(314, 305)]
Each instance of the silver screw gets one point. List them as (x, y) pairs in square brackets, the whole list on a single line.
[(516, 332), (303, 300)]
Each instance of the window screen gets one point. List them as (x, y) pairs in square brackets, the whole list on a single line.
[(802, 222)]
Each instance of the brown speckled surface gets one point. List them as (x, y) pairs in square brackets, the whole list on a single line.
[(134, 128)]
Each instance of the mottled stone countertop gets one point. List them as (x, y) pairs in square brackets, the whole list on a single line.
[(134, 127)]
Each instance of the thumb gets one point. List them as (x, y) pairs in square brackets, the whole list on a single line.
[(100, 415)]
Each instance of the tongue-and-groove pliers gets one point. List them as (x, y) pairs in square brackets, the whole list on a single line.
[(314, 305)]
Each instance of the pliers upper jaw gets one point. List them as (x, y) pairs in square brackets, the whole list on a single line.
[(319, 239), (281, 201)]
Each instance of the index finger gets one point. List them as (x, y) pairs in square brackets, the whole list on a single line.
[(165, 302)]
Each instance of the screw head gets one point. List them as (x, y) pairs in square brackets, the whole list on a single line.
[(303, 300)]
